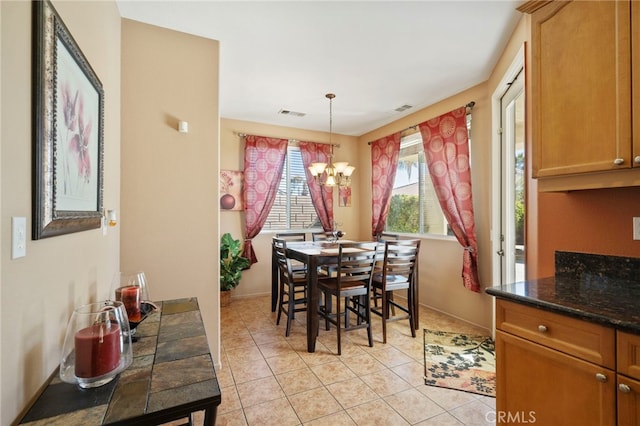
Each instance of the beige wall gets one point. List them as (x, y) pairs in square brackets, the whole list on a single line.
[(169, 214), (40, 290)]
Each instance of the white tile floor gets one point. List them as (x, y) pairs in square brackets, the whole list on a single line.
[(267, 379)]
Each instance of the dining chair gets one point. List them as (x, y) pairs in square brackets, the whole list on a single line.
[(381, 238), (324, 236), (293, 285), (398, 273), (351, 287), (297, 237)]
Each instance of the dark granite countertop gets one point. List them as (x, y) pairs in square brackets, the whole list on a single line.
[(601, 289)]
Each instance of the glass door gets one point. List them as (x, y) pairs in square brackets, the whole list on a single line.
[(512, 181)]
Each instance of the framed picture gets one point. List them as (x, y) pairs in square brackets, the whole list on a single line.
[(231, 182), (68, 115), (344, 196)]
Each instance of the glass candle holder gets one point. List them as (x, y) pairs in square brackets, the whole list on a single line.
[(97, 345), (130, 287)]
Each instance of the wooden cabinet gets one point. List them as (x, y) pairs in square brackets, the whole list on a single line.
[(628, 379), (553, 369), (581, 88)]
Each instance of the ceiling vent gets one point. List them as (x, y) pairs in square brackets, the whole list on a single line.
[(403, 108), (293, 113)]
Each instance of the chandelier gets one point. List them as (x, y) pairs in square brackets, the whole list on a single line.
[(332, 174)]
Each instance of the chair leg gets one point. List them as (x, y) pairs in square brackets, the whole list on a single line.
[(280, 300), (291, 308), (367, 311), (412, 314), (338, 324), (385, 315)]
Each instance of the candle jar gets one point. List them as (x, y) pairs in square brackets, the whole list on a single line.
[(97, 345), (130, 279), (130, 287)]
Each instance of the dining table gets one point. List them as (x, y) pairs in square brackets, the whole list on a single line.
[(314, 255)]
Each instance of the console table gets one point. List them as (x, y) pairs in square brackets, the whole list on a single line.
[(171, 376)]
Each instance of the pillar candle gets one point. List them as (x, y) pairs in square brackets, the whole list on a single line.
[(97, 349), (131, 301)]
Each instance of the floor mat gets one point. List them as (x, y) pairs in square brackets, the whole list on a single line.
[(460, 361)]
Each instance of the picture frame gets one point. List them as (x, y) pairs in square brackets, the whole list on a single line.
[(231, 186), (68, 131)]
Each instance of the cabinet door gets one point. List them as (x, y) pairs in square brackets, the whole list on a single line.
[(581, 87), (635, 60), (628, 401), (543, 386)]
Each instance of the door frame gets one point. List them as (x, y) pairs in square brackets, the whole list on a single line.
[(517, 64)]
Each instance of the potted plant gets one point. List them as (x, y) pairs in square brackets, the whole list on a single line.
[(232, 263)]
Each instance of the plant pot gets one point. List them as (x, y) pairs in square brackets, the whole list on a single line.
[(225, 298)]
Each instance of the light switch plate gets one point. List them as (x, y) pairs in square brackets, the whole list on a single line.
[(636, 228), (18, 237)]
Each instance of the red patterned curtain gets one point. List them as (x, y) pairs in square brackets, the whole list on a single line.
[(446, 145), (321, 196), (384, 163), (263, 163)]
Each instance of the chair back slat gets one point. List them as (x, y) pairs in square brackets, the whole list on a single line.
[(292, 236), (321, 236)]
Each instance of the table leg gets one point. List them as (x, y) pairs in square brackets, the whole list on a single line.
[(312, 304), (274, 280), (210, 416)]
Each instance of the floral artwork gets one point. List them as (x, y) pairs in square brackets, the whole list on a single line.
[(68, 117), (231, 190), (344, 196), (77, 137)]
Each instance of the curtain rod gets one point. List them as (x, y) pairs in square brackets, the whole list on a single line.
[(470, 105), (291, 141)]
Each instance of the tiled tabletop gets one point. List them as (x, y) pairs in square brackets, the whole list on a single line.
[(172, 375)]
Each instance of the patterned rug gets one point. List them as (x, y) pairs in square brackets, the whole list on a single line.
[(460, 361)]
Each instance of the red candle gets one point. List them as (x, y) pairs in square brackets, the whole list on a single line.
[(97, 349), (131, 301)]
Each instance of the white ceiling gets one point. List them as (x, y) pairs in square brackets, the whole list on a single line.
[(375, 56)]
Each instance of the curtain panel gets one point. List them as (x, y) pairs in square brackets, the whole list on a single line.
[(446, 147), (321, 196), (384, 164), (263, 164)]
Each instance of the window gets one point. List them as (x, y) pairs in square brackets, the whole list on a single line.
[(414, 205), (293, 208)]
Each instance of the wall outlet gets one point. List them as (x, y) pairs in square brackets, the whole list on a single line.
[(636, 228)]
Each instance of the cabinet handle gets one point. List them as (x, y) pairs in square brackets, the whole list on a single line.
[(601, 377), (618, 161), (624, 388), (637, 160), (542, 328)]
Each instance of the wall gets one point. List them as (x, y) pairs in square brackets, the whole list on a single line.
[(169, 214), (257, 280), (40, 290), (593, 221), (441, 258)]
